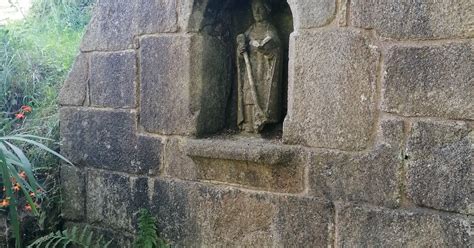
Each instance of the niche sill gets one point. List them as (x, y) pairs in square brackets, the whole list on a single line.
[(249, 162)]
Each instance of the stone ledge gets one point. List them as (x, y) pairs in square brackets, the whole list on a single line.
[(249, 149), (249, 162)]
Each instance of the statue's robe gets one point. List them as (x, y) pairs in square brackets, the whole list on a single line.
[(265, 63)]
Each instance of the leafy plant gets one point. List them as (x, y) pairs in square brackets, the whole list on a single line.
[(71, 237), (147, 232), (18, 178)]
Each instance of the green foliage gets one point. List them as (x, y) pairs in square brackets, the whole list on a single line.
[(35, 56), (71, 238), (147, 236), (18, 175)]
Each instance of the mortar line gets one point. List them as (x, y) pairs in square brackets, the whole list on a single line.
[(88, 85), (336, 220), (138, 84), (348, 13), (245, 190), (424, 118), (379, 69), (402, 170)]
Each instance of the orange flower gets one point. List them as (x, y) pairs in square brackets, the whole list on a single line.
[(23, 175), (20, 116), (16, 187), (28, 207), (32, 194), (26, 108), (5, 203)]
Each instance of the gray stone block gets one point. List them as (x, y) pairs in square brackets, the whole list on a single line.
[(173, 207), (331, 90), (107, 139), (150, 153), (303, 222), (194, 214), (312, 14), (113, 79), (371, 177), (116, 23), (176, 162), (165, 85), (112, 26), (183, 92), (367, 177), (435, 81), (98, 138), (157, 16), (414, 19), (249, 215), (73, 192), (114, 200), (75, 90), (439, 165), (359, 226)]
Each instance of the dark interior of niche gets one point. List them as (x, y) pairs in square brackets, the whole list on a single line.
[(229, 18)]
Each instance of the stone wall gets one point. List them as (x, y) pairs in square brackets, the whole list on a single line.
[(377, 144)]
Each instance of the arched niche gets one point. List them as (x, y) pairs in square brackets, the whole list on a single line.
[(215, 25)]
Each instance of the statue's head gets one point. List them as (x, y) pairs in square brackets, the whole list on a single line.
[(260, 10)]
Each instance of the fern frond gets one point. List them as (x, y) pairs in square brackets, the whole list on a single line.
[(147, 236), (74, 237)]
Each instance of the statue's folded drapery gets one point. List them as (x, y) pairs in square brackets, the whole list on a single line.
[(264, 51)]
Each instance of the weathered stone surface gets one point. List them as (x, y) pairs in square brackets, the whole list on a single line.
[(173, 208), (183, 92), (414, 20), (363, 177), (250, 149), (194, 214), (112, 26), (303, 222), (377, 227), (434, 81), (113, 79), (249, 162), (73, 193), (440, 165), (278, 178), (331, 90), (165, 85), (113, 200), (312, 14), (176, 162), (98, 138), (249, 215), (107, 140), (157, 16), (150, 153), (115, 23), (75, 89), (211, 83)]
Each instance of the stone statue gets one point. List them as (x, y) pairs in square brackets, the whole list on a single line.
[(259, 67)]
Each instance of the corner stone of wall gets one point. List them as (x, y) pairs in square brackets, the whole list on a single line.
[(377, 144)]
